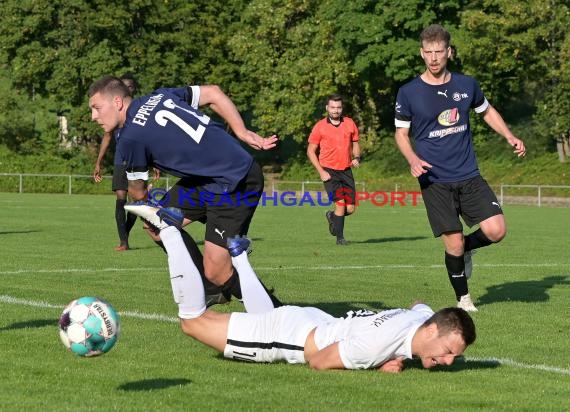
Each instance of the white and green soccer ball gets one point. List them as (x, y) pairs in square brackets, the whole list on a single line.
[(89, 326)]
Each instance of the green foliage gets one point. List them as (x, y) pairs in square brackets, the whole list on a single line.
[(519, 53), (278, 60)]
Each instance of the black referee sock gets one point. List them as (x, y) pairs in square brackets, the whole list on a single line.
[(456, 273), (476, 240), (338, 226)]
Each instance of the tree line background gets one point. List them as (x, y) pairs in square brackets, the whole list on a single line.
[(278, 60)]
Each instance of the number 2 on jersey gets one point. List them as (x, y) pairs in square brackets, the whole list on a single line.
[(163, 116)]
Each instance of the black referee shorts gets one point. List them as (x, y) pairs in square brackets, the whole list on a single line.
[(341, 185)]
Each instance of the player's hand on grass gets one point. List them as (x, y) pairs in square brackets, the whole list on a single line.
[(393, 365)]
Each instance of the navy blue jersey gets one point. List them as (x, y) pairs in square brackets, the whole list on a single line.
[(438, 116), (166, 130)]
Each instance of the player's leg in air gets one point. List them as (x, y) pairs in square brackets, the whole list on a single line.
[(169, 220)]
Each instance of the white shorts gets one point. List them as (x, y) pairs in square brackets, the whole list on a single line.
[(278, 335)]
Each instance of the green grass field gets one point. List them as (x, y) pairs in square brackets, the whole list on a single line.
[(54, 248)]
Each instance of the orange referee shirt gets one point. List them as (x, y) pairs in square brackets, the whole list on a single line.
[(335, 142)]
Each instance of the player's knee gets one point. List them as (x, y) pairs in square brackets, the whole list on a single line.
[(188, 326), (496, 234)]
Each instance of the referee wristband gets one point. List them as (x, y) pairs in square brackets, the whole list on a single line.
[(357, 158)]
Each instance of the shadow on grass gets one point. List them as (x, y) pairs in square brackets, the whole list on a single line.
[(339, 309), (523, 291), (16, 232), (390, 239), (153, 384), (459, 365), (37, 323)]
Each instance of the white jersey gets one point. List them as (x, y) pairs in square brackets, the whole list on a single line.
[(368, 339)]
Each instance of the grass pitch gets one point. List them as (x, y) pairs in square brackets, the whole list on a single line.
[(54, 248)]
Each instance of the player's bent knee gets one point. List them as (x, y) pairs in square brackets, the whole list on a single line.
[(496, 235), (188, 326)]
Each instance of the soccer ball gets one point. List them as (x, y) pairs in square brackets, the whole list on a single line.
[(89, 326)]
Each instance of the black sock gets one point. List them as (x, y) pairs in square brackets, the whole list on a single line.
[(159, 243), (476, 240), (130, 222), (232, 286), (456, 272), (339, 226), (120, 217)]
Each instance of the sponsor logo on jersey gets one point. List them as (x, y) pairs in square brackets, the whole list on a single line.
[(446, 132), (458, 96), (448, 117)]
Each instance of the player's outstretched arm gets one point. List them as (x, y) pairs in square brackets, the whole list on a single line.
[(220, 103), (495, 120)]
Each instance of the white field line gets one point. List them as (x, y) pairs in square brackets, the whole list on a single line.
[(41, 304), (158, 317), (285, 268)]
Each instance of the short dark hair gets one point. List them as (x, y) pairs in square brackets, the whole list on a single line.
[(335, 97), (435, 33), (449, 320), (109, 85)]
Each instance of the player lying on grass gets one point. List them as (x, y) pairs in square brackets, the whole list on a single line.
[(361, 340)]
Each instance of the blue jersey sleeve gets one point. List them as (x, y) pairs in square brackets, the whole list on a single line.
[(163, 130), (190, 94)]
